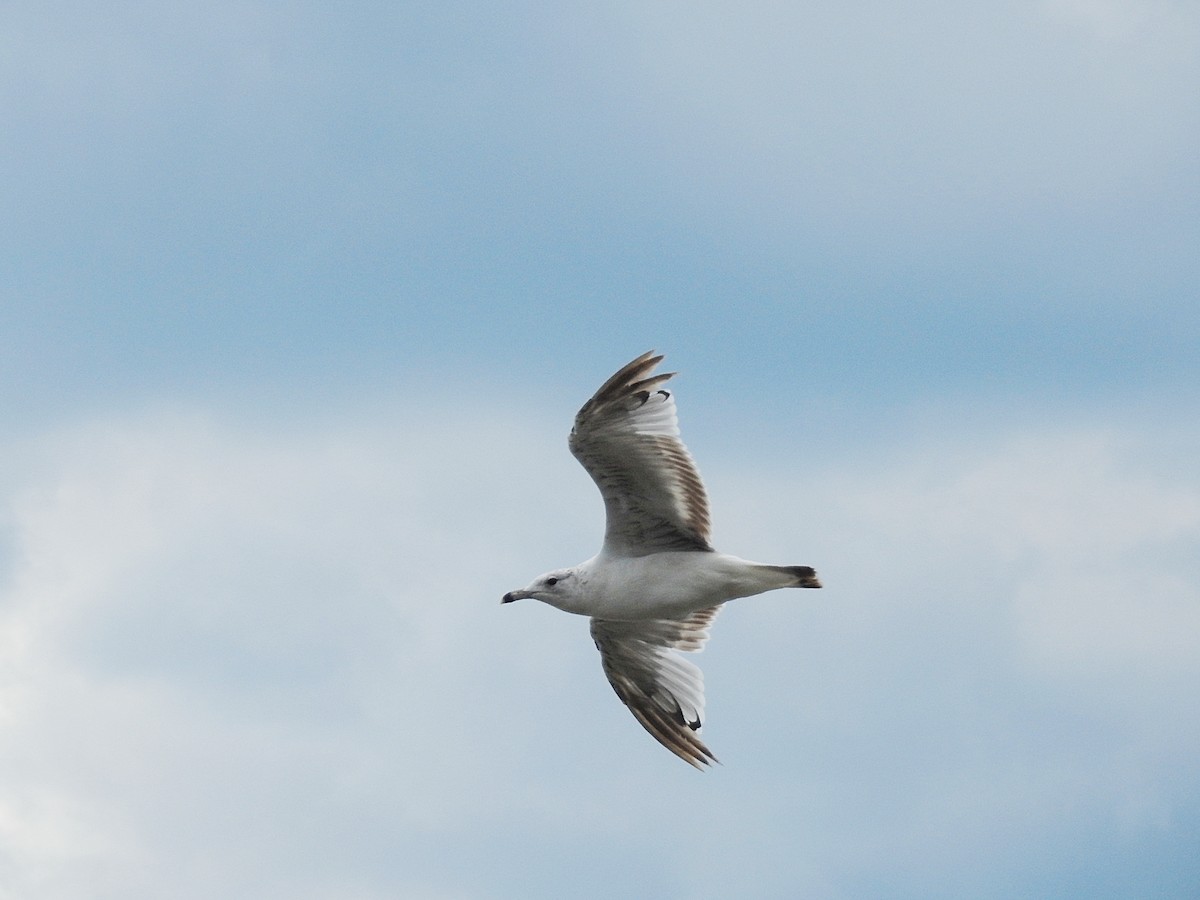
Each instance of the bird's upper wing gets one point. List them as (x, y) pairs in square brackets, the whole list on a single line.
[(663, 690), (627, 437)]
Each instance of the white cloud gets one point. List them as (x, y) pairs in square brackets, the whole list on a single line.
[(195, 615), (1123, 21), (886, 124), (1081, 538), (1009, 634), (254, 661)]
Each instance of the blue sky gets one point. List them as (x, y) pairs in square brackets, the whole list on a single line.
[(298, 302)]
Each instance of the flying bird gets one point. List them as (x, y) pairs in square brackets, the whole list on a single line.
[(657, 583)]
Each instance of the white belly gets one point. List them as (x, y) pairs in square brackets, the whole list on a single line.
[(671, 585)]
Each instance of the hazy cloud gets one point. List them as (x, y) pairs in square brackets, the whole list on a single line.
[(274, 660)]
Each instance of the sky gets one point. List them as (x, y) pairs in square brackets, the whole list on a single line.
[(297, 304)]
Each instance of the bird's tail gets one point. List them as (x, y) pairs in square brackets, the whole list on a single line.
[(802, 576)]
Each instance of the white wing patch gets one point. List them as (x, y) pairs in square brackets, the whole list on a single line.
[(654, 413)]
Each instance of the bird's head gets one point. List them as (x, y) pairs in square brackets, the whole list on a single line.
[(556, 588)]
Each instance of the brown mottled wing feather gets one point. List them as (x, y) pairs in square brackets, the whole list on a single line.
[(627, 437), (663, 690)]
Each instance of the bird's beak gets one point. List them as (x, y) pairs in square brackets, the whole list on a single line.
[(515, 595)]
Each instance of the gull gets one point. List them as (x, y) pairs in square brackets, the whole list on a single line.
[(657, 583)]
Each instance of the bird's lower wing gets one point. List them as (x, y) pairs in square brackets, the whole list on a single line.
[(663, 690)]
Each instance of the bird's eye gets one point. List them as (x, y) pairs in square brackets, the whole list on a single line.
[(551, 581)]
